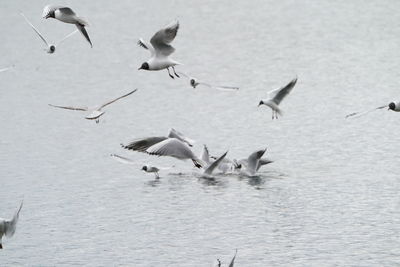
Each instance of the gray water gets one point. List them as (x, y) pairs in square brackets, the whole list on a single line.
[(331, 197)]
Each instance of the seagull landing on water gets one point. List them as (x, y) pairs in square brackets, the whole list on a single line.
[(51, 48), (95, 112), (395, 106), (276, 96), (66, 15), (160, 49), (7, 227), (194, 82), (253, 163)]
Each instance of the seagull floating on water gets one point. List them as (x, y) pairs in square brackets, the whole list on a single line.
[(253, 163), (67, 15), (8, 227), (51, 48), (194, 82), (95, 112), (276, 96), (160, 49), (395, 106)]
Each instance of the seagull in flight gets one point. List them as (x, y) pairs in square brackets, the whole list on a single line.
[(51, 48), (395, 106), (194, 82), (253, 163), (145, 168), (160, 49), (94, 112), (66, 15), (276, 96), (8, 227)]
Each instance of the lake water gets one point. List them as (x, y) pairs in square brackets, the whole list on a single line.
[(331, 197)]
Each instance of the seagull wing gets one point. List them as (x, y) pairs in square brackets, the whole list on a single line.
[(210, 168), (178, 135), (278, 94), (162, 39), (233, 260), (205, 156), (226, 88), (143, 144), (358, 114), (171, 147), (118, 98), (123, 159), (12, 224), (5, 69), (253, 160), (36, 30), (71, 108), (146, 45), (67, 36), (67, 11), (263, 162)]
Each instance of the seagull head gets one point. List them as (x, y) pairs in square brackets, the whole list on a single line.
[(392, 106), (145, 66), (193, 83), (261, 103), (49, 14), (144, 168), (51, 49)]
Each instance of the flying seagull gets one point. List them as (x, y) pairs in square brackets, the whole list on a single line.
[(67, 15), (194, 82), (160, 49), (96, 111), (395, 106), (145, 168), (253, 163), (7, 227), (276, 96), (51, 48)]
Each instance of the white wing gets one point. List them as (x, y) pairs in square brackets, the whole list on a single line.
[(112, 101), (70, 108), (178, 135), (210, 168), (36, 30), (233, 260), (142, 144), (358, 114), (123, 159), (277, 95), (5, 69), (66, 37), (162, 39), (171, 147), (11, 225), (253, 160), (205, 156), (146, 45)]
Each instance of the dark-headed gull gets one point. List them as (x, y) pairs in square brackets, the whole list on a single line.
[(276, 96), (8, 227), (194, 82), (66, 15), (253, 163), (160, 49), (147, 168), (51, 48), (95, 112), (395, 106)]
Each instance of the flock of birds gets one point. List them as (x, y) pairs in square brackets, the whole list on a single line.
[(174, 144)]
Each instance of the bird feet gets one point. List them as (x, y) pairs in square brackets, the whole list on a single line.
[(170, 74), (176, 74)]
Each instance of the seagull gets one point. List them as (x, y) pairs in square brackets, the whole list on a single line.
[(51, 48), (276, 96), (194, 82), (226, 165), (142, 144), (160, 49), (232, 261), (210, 167), (395, 106), (146, 168), (95, 112), (253, 163), (67, 15), (165, 146), (7, 227)]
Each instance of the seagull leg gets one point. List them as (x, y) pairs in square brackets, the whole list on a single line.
[(175, 72), (170, 74)]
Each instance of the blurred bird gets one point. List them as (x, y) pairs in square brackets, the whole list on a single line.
[(8, 227), (194, 82), (395, 106)]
